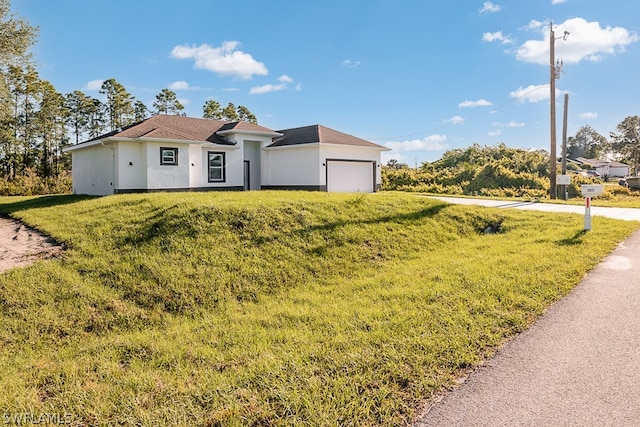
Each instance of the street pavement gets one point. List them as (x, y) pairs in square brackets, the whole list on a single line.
[(578, 365)]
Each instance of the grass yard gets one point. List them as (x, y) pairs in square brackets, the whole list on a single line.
[(272, 308)]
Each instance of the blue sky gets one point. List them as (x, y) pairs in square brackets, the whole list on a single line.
[(418, 76)]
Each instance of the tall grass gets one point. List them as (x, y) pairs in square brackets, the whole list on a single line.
[(272, 308)]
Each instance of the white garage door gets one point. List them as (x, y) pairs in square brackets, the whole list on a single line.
[(350, 176)]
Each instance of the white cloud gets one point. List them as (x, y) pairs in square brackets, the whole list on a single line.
[(558, 1), (511, 124), (588, 116), (284, 84), (490, 7), (299, 87), (534, 25), (94, 85), (430, 143), (225, 60), (497, 36), (179, 85), (586, 41), (496, 132), (259, 90), (531, 93), (455, 120), (350, 64), (471, 104), (230, 89)]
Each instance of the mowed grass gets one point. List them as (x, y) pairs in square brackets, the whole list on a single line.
[(272, 308)]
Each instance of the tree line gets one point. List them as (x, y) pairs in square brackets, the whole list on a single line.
[(37, 121)]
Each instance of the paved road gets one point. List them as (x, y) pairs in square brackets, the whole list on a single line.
[(628, 214), (579, 365)]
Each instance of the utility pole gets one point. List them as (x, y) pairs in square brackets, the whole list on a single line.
[(554, 73), (564, 143)]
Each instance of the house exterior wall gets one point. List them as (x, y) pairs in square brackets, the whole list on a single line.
[(131, 165), (618, 171), (197, 166), (160, 177), (233, 168), (93, 171), (293, 167)]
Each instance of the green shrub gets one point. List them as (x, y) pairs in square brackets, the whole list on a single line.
[(30, 184)]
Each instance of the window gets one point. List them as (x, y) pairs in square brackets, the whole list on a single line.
[(168, 156), (216, 167)]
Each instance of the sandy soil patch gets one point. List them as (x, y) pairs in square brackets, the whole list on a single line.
[(21, 245)]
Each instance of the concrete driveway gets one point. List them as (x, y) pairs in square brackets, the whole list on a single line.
[(627, 214), (578, 365)]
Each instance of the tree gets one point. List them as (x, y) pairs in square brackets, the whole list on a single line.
[(586, 143), (119, 104), (167, 103), (625, 141), (50, 128), (212, 110), (78, 113), (97, 118), (140, 111), (16, 35), (394, 164), (244, 115), (229, 113)]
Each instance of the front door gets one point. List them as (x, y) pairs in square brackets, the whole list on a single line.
[(247, 175)]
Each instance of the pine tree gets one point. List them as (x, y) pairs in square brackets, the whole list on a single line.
[(229, 113), (212, 110), (167, 103), (119, 104)]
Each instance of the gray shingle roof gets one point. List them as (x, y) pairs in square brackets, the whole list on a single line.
[(318, 134)]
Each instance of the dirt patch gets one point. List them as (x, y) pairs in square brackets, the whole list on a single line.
[(21, 245)]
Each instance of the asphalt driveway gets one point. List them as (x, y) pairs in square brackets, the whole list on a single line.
[(578, 365)]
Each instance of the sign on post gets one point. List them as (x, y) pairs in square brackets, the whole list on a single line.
[(589, 191), (592, 190), (563, 180)]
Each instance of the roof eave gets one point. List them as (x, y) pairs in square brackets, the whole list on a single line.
[(250, 132), (377, 147)]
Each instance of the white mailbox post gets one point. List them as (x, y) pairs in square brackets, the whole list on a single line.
[(589, 191)]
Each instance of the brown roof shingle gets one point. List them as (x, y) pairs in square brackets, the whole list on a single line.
[(183, 128)]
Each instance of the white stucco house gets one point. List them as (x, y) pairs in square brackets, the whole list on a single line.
[(176, 153), (605, 167)]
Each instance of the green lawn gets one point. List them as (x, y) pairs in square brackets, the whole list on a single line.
[(272, 308)]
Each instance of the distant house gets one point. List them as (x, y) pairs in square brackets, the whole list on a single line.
[(175, 153), (604, 167)]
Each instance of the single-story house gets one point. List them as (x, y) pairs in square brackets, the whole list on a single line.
[(177, 153), (605, 167)]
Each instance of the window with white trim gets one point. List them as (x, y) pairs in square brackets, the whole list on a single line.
[(169, 156), (216, 167)]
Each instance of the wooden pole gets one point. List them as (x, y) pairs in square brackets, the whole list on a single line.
[(552, 102)]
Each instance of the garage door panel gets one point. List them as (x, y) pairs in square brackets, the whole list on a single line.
[(350, 176)]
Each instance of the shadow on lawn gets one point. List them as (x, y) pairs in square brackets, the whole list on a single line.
[(576, 239), (429, 211), (41, 202)]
